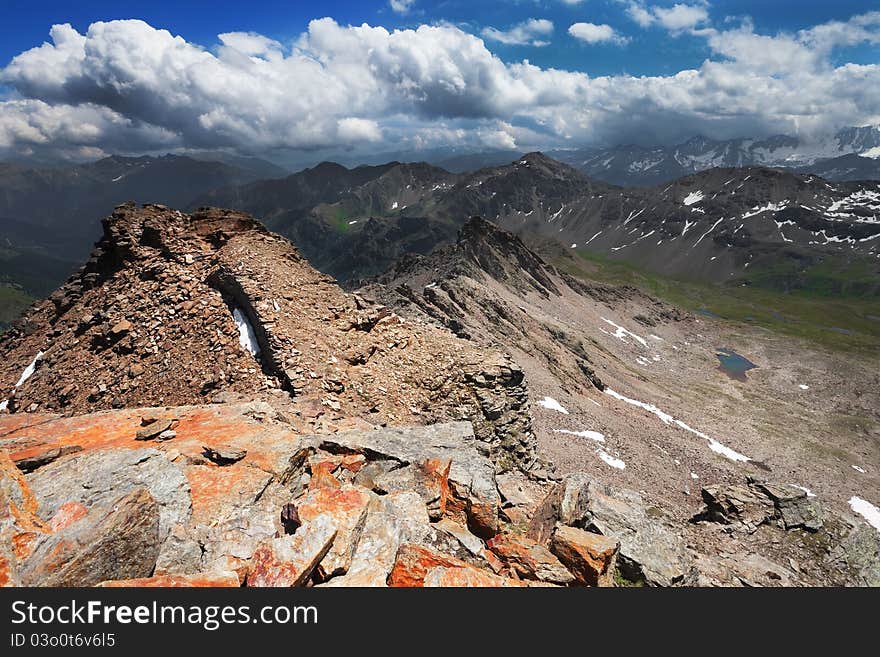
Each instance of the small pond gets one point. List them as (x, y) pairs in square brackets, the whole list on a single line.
[(733, 364)]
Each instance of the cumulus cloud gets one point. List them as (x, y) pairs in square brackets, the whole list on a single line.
[(533, 32), (125, 86), (677, 18), (401, 6), (592, 33)]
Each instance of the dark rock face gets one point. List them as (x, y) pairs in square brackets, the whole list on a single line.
[(475, 288), (750, 506), (117, 541)]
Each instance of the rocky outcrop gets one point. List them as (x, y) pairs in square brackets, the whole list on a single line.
[(176, 309), (751, 505), (289, 509), (651, 550)]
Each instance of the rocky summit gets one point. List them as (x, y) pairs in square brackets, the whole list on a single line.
[(176, 309)]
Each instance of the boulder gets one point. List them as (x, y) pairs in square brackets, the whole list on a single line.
[(591, 558), (751, 505), (794, 507), (736, 504), (471, 476), (391, 521), (529, 559), (290, 560), (651, 549), (347, 507), (116, 541)]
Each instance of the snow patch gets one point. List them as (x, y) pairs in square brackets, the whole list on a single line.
[(867, 510), (693, 197), (29, 370), (714, 445), (592, 435), (805, 489), (858, 469), (622, 333), (553, 405), (25, 375), (610, 460), (803, 387), (246, 336)]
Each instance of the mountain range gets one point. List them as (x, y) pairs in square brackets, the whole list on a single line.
[(851, 153), (727, 224)]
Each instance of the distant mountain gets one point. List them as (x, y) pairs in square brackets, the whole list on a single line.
[(353, 223), (845, 168), (718, 225), (49, 218), (255, 166), (631, 165)]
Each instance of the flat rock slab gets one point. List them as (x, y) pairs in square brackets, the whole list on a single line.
[(116, 541), (95, 478)]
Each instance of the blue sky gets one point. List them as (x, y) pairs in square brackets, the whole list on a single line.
[(651, 52), (600, 71)]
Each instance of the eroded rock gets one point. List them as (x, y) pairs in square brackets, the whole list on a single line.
[(116, 541)]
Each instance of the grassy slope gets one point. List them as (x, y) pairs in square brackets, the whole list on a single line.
[(13, 302), (828, 306)]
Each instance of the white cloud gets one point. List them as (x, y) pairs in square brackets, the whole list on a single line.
[(124, 86), (681, 17), (533, 32), (401, 6), (677, 18), (592, 33)]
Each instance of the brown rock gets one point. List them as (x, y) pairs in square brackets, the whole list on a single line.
[(154, 428), (529, 559), (119, 541), (121, 328), (414, 562), (290, 560), (223, 455), (468, 577), (591, 558), (347, 507)]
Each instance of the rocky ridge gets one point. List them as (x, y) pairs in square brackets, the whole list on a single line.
[(179, 309)]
